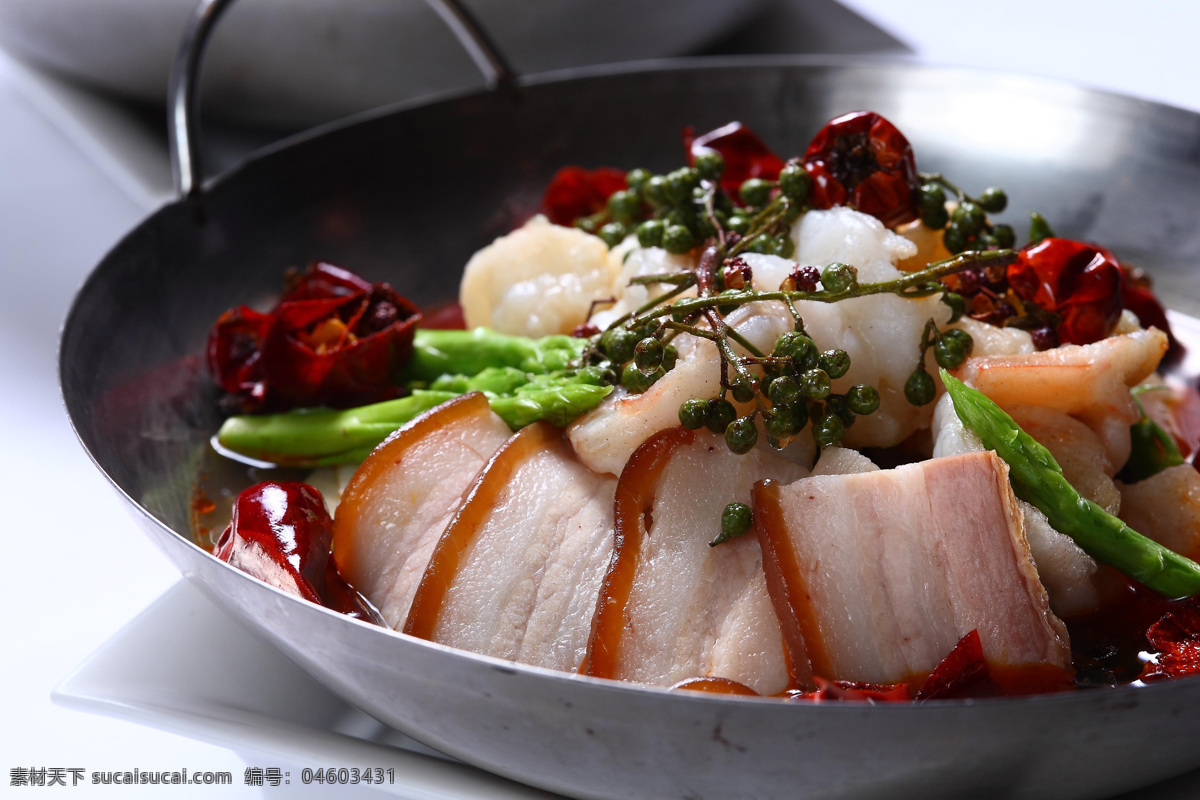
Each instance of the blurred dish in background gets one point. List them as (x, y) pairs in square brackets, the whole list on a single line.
[(294, 63)]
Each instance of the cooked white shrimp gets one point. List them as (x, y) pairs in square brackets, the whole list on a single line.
[(605, 437), (1077, 449), (990, 340), (881, 334), (1090, 382), (1166, 507), (538, 280)]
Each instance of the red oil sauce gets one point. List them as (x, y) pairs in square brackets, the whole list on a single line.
[(1107, 646)]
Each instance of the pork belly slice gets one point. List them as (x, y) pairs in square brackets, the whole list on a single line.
[(398, 503), (517, 571), (1075, 582), (672, 608), (876, 576)]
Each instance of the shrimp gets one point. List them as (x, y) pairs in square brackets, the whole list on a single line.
[(1166, 507), (881, 334), (538, 280), (1090, 382)]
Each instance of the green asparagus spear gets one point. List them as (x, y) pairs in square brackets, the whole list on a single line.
[(1037, 479), (437, 353), (559, 404), (317, 437), (310, 438)]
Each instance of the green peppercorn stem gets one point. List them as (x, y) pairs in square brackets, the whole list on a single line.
[(1038, 479), (921, 283)]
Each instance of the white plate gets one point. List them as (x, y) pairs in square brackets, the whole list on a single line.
[(183, 666)]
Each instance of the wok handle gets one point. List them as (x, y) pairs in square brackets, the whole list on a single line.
[(183, 116)]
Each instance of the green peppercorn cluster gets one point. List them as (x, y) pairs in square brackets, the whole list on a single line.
[(950, 349), (681, 209), (968, 226), (794, 389)]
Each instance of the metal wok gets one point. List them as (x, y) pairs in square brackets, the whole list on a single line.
[(408, 193)]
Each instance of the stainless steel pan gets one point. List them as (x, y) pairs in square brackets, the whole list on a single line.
[(407, 193)]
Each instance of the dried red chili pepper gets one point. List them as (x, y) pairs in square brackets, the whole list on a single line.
[(1137, 296), (960, 673), (746, 155), (280, 533), (576, 192), (1080, 282), (333, 340), (862, 159), (1176, 639)]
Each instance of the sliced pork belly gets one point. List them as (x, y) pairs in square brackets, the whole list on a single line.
[(1090, 382), (876, 576), (398, 503), (672, 608), (517, 572), (1075, 582)]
